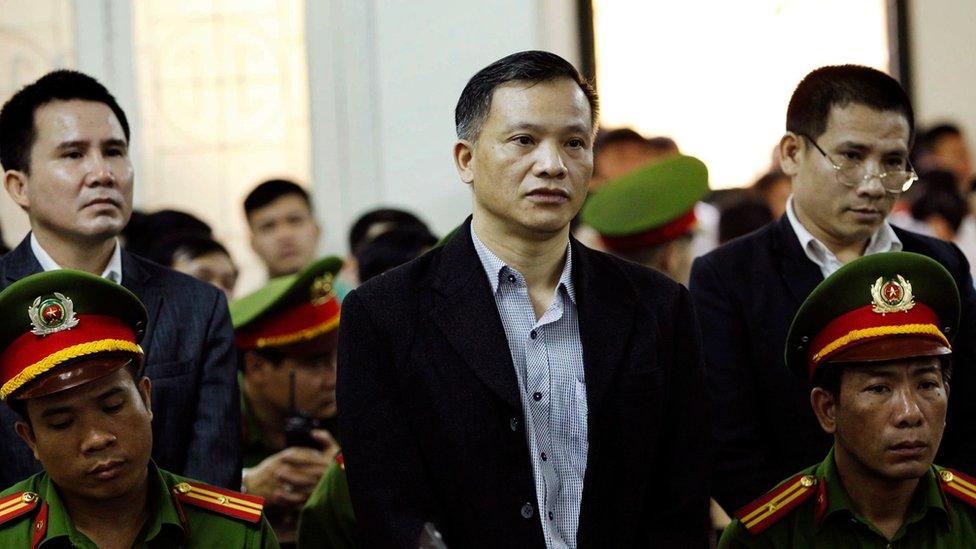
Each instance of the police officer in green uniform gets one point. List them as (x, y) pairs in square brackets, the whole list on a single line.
[(648, 215), (286, 333), (874, 339), (327, 521), (70, 366)]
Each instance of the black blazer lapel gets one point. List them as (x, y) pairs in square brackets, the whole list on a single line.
[(20, 262), (138, 280), (605, 304), (799, 274), (465, 311)]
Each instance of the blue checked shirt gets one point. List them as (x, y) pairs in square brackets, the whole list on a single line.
[(548, 358)]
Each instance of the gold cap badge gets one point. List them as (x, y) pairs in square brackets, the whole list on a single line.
[(892, 296)]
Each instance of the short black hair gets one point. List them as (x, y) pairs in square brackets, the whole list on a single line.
[(533, 67), (930, 137), (187, 246), (828, 376), (939, 195), (269, 191), (392, 218), (17, 129), (608, 137), (392, 249), (144, 232), (742, 217), (840, 86)]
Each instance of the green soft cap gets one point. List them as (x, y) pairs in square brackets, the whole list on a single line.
[(281, 293), (647, 197), (850, 288), (88, 294)]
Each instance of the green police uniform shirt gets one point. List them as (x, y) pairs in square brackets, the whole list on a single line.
[(171, 522), (327, 520), (827, 518)]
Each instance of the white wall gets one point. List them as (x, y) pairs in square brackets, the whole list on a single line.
[(383, 97), (943, 55)]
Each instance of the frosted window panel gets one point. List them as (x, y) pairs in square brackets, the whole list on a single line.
[(717, 76), (36, 36), (223, 98)]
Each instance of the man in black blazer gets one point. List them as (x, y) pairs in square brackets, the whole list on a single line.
[(513, 387), (64, 148), (849, 130)]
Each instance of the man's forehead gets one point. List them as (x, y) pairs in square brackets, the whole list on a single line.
[(517, 94), (58, 116), (867, 125), (897, 367)]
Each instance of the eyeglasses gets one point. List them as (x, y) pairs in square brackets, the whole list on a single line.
[(852, 171)]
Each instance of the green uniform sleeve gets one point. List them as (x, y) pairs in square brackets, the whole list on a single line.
[(264, 538), (736, 536), (327, 519)]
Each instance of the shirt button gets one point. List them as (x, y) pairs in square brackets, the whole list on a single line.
[(544, 456), (537, 396), (533, 334), (513, 423), (527, 510), (550, 515)]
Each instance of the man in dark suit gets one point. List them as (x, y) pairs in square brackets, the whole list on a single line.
[(64, 148), (513, 387), (849, 129)]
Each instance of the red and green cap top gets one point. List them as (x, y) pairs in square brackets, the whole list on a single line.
[(880, 307), (54, 320), (651, 205), (289, 309)]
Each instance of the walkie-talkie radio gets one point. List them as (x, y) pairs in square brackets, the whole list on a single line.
[(299, 425)]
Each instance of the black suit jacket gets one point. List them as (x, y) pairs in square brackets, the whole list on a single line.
[(746, 294), (190, 358), (433, 425)]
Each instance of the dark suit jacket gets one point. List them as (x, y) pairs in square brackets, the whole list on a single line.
[(433, 425), (746, 294), (191, 361)]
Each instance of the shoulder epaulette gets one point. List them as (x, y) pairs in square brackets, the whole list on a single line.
[(767, 510), (341, 461), (959, 485), (219, 500), (16, 505)]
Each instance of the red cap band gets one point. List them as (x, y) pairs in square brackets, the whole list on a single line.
[(299, 323), (658, 235)]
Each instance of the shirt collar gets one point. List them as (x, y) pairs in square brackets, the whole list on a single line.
[(113, 271), (883, 240), (927, 499), (163, 514), (495, 268)]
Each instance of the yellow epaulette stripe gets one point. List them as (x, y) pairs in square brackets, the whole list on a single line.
[(228, 503), (794, 491), (225, 500), (12, 507), (964, 484)]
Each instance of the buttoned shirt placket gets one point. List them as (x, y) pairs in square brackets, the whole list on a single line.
[(548, 358)]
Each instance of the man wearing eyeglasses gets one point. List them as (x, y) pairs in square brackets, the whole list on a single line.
[(849, 131)]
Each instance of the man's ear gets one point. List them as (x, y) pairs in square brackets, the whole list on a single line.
[(26, 434), (825, 408), (16, 183), (790, 147), (145, 391), (463, 158)]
